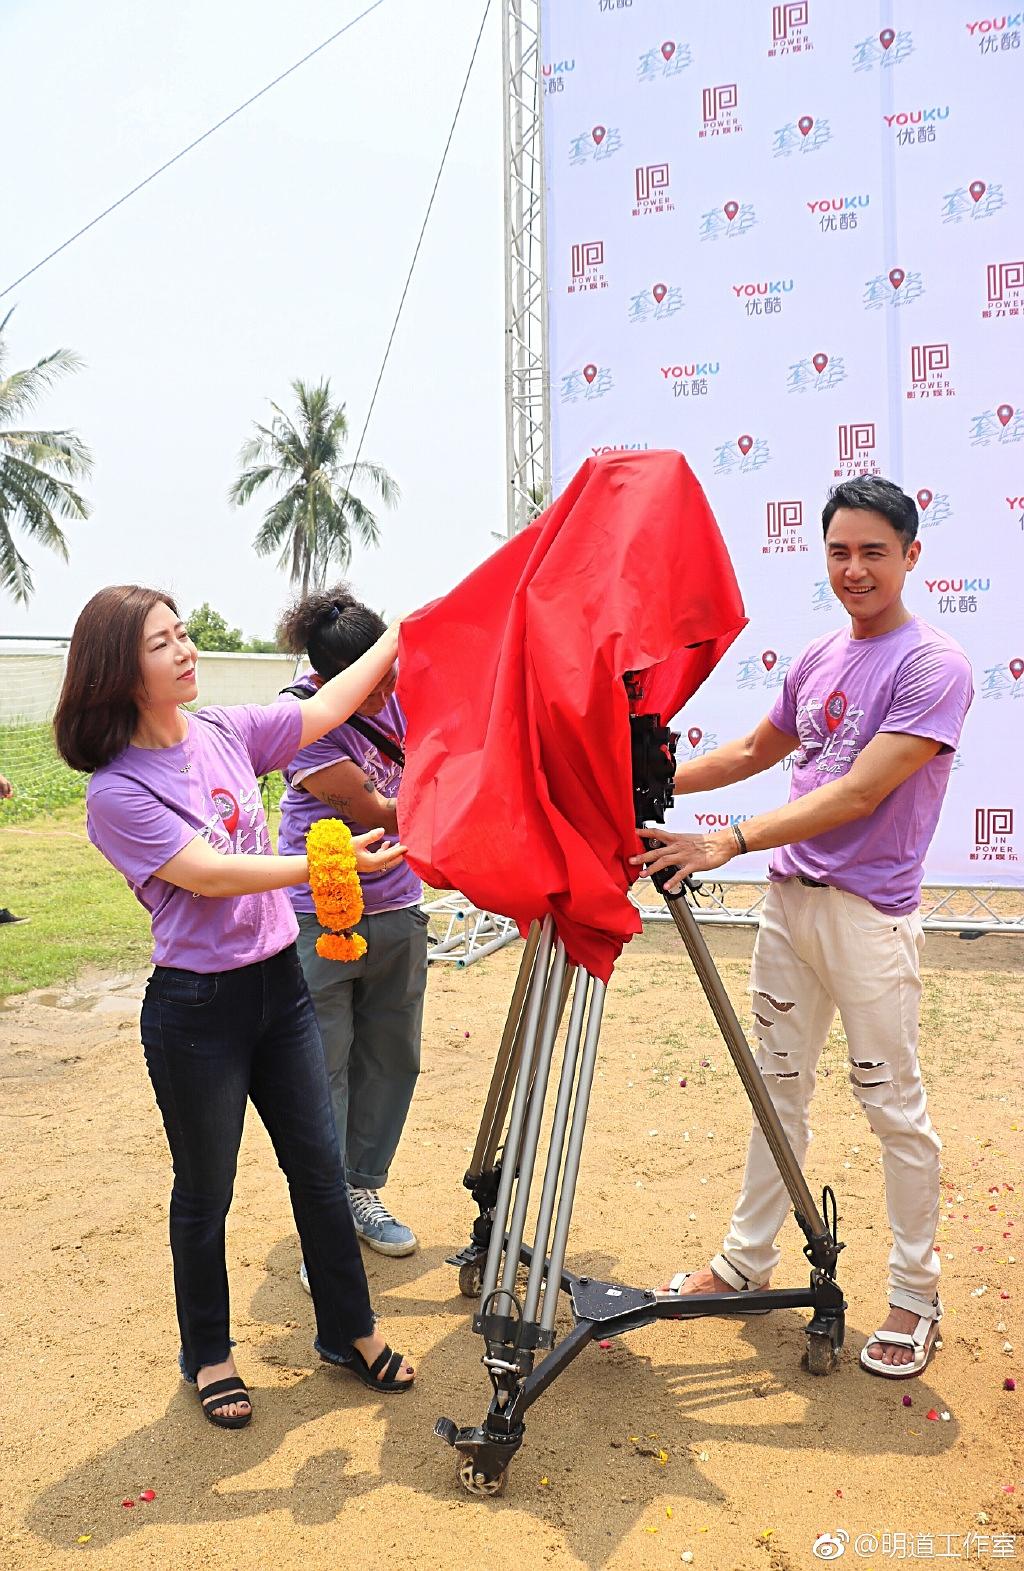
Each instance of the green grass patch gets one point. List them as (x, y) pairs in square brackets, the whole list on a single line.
[(82, 912)]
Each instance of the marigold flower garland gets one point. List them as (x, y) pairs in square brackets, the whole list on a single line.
[(337, 893)]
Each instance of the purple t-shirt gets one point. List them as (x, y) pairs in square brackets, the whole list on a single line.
[(393, 890), (838, 694), (147, 804)]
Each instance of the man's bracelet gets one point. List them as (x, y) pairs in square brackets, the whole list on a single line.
[(738, 832)]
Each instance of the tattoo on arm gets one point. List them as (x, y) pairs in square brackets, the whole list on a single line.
[(369, 787), (342, 803)]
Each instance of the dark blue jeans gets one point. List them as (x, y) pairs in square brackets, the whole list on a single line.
[(212, 1042)]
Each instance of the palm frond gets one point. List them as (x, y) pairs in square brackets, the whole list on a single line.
[(15, 575)]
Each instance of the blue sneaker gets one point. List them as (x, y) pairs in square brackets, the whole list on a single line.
[(376, 1226)]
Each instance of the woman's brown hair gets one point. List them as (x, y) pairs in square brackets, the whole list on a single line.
[(96, 713)]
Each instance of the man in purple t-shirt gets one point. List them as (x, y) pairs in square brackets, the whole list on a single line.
[(872, 716)]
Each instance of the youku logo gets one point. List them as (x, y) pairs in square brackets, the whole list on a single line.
[(620, 447), (670, 59), (1004, 287), (894, 288), (587, 265), (555, 73), (836, 213), (784, 529), (935, 507), (1004, 681), (720, 110), (692, 380), (907, 117), (656, 304), (819, 373), (768, 669), (884, 50), (728, 221), (993, 835), (856, 450), (929, 372), (595, 146), (743, 456), (997, 34), (651, 182), (957, 596), (1016, 506), (1002, 425), (972, 202), (789, 30), (805, 135), (772, 291), (587, 382)]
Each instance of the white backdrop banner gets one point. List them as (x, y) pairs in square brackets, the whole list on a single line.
[(789, 241)]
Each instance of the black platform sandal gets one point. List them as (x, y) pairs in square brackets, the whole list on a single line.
[(220, 1393), (368, 1373)]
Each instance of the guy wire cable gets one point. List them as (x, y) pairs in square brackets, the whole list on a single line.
[(122, 199), (408, 279)]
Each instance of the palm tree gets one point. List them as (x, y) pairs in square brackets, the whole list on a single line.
[(36, 468), (316, 513)]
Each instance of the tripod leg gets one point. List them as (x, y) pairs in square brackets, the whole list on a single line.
[(736, 1042), (527, 1156), (532, 1015), (556, 1146), (573, 1154), (500, 1090)]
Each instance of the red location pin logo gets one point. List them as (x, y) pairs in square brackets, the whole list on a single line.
[(745, 443), (977, 189), (804, 124), (694, 735), (835, 709), (1017, 669), (886, 37), (590, 371), (1005, 413), (668, 49), (896, 276), (819, 362), (659, 292), (768, 659), (730, 210), (923, 499), (598, 133)]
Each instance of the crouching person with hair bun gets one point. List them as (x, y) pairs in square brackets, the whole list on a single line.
[(371, 1009), (174, 804)]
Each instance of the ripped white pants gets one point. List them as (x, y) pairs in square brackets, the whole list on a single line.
[(819, 950)]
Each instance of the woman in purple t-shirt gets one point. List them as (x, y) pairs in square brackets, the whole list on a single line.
[(174, 804)]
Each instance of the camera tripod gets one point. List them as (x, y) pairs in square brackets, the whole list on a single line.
[(519, 1328)]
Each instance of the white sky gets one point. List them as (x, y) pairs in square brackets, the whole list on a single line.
[(276, 249)]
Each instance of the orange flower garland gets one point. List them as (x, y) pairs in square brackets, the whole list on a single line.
[(337, 893)]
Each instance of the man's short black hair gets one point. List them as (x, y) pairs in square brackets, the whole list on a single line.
[(872, 494)]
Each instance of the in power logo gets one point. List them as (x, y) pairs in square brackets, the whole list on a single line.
[(992, 824), (787, 18), (589, 254), (718, 99), (782, 516), (926, 358), (856, 439), (650, 179)]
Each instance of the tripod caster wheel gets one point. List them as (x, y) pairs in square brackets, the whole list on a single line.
[(471, 1279), (822, 1354), (477, 1483)]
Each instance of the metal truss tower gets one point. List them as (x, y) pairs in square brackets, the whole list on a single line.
[(527, 409)]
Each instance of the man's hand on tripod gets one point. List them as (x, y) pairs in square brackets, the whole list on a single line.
[(684, 854)]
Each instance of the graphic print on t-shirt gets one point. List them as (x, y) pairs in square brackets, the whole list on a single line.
[(831, 747), (237, 823)]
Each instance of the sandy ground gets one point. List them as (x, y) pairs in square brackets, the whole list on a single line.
[(707, 1438)]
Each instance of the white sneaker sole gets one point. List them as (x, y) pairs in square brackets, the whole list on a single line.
[(380, 1248)]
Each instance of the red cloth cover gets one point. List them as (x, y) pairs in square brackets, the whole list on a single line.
[(518, 788)]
